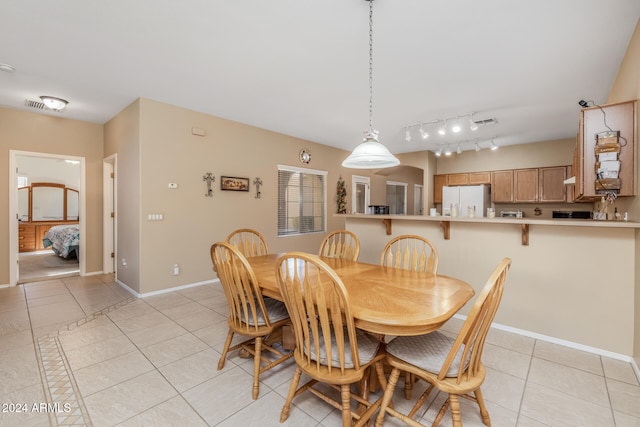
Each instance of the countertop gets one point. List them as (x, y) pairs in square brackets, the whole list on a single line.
[(567, 222)]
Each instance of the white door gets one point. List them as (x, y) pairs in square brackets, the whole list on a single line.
[(397, 197), (360, 194), (418, 204)]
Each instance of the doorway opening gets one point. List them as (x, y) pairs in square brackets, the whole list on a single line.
[(361, 194), (46, 192)]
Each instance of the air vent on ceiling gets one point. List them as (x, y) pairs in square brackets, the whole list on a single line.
[(37, 105), (486, 122)]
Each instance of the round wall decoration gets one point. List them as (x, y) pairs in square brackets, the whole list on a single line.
[(305, 156)]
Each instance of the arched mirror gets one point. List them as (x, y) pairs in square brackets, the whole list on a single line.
[(73, 203), (48, 201)]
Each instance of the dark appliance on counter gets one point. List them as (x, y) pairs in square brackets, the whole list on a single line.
[(378, 209), (511, 214), (571, 214)]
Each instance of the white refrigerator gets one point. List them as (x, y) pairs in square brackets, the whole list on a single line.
[(465, 196)]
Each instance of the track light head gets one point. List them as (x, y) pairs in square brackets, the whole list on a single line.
[(423, 133), (407, 135), (473, 125)]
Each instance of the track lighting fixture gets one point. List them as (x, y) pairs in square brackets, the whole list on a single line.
[(473, 126), (447, 151), (423, 133), (407, 135), (494, 147), (442, 130), (456, 128), (439, 152), (459, 150), (453, 124)]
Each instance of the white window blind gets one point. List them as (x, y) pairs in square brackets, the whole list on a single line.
[(301, 200)]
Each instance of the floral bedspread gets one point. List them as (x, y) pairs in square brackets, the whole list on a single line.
[(63, 239)]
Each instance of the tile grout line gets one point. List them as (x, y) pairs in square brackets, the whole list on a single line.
[(57, 377)]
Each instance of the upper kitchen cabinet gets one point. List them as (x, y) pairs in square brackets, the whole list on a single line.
[(525, 182), (606, 142), (502, 186), (439, 181), (551, 186), (452, 179)]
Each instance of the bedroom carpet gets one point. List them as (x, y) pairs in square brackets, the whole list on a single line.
[(45, 265)]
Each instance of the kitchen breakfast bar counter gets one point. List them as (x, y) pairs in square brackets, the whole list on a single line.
[(574, 282)]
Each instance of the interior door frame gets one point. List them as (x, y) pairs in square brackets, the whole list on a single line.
[(355, 180), (13, 209), (109, 223)]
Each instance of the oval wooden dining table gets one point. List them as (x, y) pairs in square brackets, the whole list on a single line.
[(384, 300)]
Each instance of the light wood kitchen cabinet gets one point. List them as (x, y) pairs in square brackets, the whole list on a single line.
[(595, 120), (502, 186), (458, 179), (525, 182), (477, 178), (551, 185), (439, 181)]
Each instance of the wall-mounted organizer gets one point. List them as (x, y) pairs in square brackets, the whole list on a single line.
[(607, 165), (604, 161)]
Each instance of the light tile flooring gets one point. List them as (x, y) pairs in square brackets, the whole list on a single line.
[(82, 351)]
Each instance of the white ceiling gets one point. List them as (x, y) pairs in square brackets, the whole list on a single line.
[(300, 67)]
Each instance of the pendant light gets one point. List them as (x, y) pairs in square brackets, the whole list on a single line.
[(370, 154)]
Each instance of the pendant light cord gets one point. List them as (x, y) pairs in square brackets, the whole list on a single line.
[(370, 66)]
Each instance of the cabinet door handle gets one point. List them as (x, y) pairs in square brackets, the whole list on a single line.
[(20, 237)]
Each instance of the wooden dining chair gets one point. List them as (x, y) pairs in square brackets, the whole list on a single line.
[(410, 252), (342, 244), (329, 349), (453, 366), (249, 242), (249, 313)]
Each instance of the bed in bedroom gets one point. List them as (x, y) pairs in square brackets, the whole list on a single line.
[(64, 240)]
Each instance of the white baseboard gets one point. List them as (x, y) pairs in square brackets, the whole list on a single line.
[(565, 343), (165, 291)]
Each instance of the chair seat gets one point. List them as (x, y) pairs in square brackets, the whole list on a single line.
[(276, 310), (367, 350), (427, 352)]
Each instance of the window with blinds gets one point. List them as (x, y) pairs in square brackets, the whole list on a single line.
[(301, 201)]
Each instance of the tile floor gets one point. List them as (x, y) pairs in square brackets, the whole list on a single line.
[(82, 351)]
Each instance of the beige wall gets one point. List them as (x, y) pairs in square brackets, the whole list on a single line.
[(162, 147), (26, 131), (557, 286), (122, 138), (627, 87), (539, 154)]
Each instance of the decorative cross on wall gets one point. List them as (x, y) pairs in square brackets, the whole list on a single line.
[(209, 178), (257, 182)]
